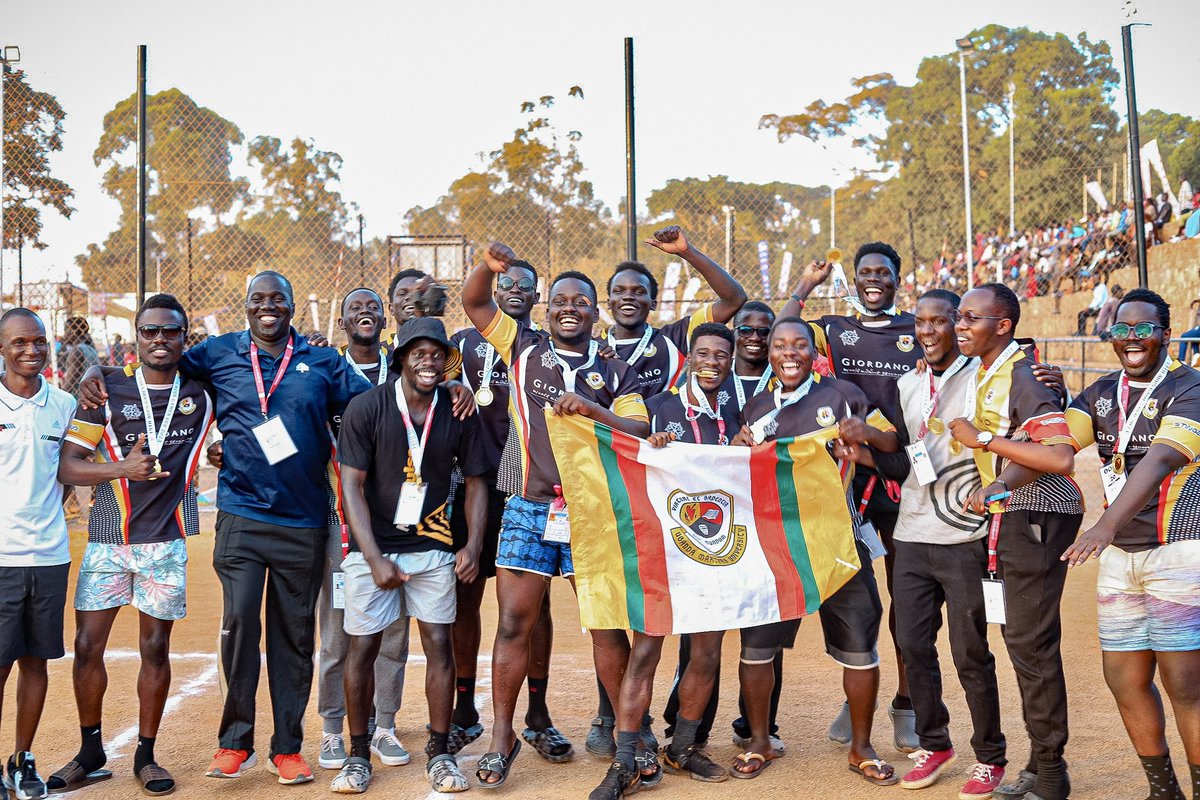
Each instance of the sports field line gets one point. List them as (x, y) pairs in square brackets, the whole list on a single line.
[(193, 687)]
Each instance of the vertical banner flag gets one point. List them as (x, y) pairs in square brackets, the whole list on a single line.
[(690, 538), (785, 273), (764, 268), (1097, 192)]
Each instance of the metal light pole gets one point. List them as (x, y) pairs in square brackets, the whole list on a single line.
[(1012, 161), (10, 55), (141, 175), (631, 239), (832, 216), (964, 47), (1135, 155), (728, 238)]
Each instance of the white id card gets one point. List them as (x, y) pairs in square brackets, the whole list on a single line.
[(870, 537), (993, 602), (412, 501), (1113, 482), (275, 441), (918, 456), (558, 526), (339, 590)]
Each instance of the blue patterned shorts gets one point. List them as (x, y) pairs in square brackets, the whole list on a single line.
[(153, 577), (521, 544)]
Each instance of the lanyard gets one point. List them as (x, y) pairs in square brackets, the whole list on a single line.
[(692, 413), (567, 372), (641, 346), (975, 383), (1126, 425), (741, 391), (839, 276), (156, 436), (932, 392), (382, 366), (759, 429), (263, 395), (489, 363), (416, 447), (993, 539)]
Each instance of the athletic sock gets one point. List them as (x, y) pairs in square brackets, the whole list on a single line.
[(465, 713), (902, 703), (627, 744), (606, 706), (144, 754), (537, 697), (1161, 775), (91, 748), (436, 746), (360, 746), (685, 734)]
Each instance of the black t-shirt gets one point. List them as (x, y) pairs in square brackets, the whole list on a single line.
[(668, 413), (373, 438)]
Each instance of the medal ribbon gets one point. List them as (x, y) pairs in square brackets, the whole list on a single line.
[(741, 391), (975, 383), (1124, 425), (759, 429), (416, 447), (265, 396), (702, 407), (489, 363), (567, 372), (383, 369), (932, 392), (156, 436), (641, 346)]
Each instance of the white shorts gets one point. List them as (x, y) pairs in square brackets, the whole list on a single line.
[(1150, 600), (428, 594)]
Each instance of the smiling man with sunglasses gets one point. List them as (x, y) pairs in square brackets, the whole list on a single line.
[(140, 450), (1145, 422)]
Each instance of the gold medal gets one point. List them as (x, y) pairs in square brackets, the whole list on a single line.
[(955, 446), (484, 396), (1118, 463), (157, 470), (833, 255), (936, 426)]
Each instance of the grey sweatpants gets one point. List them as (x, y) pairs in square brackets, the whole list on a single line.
[(389, 666)]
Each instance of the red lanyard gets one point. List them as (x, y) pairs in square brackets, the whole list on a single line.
[(933, 399), (993, 540), (1123, 404), (867, 492), (263, 395), (694, 420)]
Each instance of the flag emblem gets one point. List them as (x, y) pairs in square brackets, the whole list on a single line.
[(706, 533)]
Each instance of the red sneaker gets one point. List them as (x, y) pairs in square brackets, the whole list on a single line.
[(927, 768), (291, 768), (228, 763), (984, 780)]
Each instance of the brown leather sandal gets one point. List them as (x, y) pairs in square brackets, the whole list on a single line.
[(153, 773)]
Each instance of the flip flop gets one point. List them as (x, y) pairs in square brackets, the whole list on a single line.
[(74, 777), (152, 773), (550, 744), (498, 763), (744, 759), (880, 765), (460, 737)]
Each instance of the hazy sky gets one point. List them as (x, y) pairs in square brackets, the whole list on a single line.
[(409, 93)]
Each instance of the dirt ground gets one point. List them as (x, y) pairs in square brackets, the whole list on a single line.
[(1102, 762)]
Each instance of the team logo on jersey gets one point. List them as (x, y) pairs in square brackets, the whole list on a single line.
[(481, 349), (131, 411), (825, 417), (1103, 406), (849, 338), (549, 360), (675, 429), (706, 533), (1151, 409), (722, 397), (186, 406), (595, 380), (990, 396), (905, 343), (302, 368), (650, 351)]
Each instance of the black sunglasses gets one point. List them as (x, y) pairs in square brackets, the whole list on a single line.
[(750, 330), (169, 332), (505, 283)]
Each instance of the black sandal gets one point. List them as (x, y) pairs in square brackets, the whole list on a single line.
[(644, 760), (497, 763), (460, 737), (550, 744), (73, 776)]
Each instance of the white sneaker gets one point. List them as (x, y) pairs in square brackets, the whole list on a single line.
[(389, 748), (354, 778), (333, 751)]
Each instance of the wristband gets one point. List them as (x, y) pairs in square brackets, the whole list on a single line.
[(799, 300)]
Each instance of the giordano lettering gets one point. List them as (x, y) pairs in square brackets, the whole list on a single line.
[(864, 363)]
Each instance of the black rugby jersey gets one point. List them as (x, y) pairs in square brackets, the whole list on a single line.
[(669, 413), (661, 364), (870, 356)]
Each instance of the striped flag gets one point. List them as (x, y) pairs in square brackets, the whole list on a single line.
[(692, 538)]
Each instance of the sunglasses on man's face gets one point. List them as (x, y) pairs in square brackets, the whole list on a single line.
[(750, 330), (1142, 330), (169, 332), (524, 284)]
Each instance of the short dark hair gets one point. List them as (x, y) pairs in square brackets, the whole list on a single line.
[(793, 321), (755, 305), (164, 300), (574, 275), (941, 294), (883, 249), (712, 329), (523, 264), (1153, 298), (20, 311), (346, 296), (270, 273), (401, 275), (641, 269), (1006, 298)]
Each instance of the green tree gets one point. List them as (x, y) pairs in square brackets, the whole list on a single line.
[(33, 130)]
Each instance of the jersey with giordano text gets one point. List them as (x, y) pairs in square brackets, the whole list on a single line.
[(142, 512), (662, 362), (871, 355), (671, 412), (1014, 404), (536, 380), (750, 385), (476, 352), (372, 372), (1172, 417)]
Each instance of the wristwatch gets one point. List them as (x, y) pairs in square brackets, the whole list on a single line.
[(984, 439)]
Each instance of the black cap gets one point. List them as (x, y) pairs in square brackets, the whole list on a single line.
[(419, 328)]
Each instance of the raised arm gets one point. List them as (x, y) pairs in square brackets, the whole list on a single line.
[(730, 294), (477, 288), (813, 276)]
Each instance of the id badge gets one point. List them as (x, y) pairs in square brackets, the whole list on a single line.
[(918, 456), (1113, 482), (412, 501), (275, 441), (993, 602), (867, 534), (558, 526), (339, 590)]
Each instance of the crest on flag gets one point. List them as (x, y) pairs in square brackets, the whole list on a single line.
[(706, 534)]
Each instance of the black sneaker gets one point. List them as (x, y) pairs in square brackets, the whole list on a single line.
[(23, 778), (618, 782), (694, 761)]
